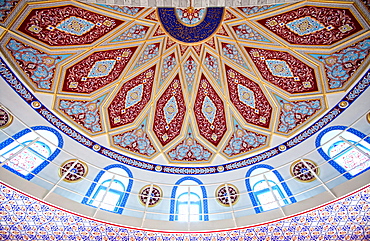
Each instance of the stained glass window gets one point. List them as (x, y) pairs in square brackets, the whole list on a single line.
[(30, 150), (348, 151)]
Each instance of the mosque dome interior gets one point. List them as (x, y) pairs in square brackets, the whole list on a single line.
[(174, 120)]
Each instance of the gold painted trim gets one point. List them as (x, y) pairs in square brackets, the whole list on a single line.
[(73, 160), (160, 197), (306, 160), (368, 117), (10, 120), (237, 195)]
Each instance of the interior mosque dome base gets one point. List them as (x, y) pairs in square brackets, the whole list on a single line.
[(184, 123)]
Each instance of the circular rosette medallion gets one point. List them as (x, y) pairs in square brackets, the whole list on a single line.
[(301, 170), (154, 193), (78, 171), (5, 118), (223, 194)]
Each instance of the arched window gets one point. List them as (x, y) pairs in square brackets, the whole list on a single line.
[(30, 150), (348, 151), (265, 187), (110, 189), (188, 201)]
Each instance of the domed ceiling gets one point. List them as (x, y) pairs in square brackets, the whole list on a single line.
[(184, 86)]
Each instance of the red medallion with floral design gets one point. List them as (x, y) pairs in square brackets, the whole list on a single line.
[(67, 25), (169, 113), (209, 112), (131, 99)]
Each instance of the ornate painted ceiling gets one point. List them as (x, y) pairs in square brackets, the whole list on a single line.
[(183, 86)]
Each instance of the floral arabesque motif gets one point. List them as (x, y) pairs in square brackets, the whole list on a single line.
[(78, 78), (337, 24), (190, 67), (243, 31), (294, 113), (38, 66), (136, 141), (124, 9), (41, 24), (301, 77), (168, 64), (151, 51), (169, 113), (260, 110), (190, 16), (137, 92), (190, 151), (343, 219), (256, 9), (341, 65), (84, 113), (6, 7), (134, 33), (212, 65), (243, 141), (230, 51), (209, 112)]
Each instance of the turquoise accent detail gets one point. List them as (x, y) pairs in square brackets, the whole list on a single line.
[(305, 26), (40, 66), (279, 68), (170, 109), (190, 18), (101, 68), (246, 96), (209, 109), (75, 26), (134, 96)]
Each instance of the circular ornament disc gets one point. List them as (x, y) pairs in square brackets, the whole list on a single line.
[(222, 195), (5, 118), (155, 195), (300, 171), (76, 173)]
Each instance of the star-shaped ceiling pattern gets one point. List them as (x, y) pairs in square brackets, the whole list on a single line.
[(119, 72)]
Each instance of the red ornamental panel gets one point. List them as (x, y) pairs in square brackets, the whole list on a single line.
[(67, 25), (209, 113), (248, 99), (131, 99), (284, 70), (169, 113), (97, 70), (313, 25)]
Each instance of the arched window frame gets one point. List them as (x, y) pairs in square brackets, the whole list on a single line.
[(281, 184), (332, 161), (174, 197), (46, 161), (93, 190)]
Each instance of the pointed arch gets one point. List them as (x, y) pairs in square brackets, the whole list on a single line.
[(111, 192), (43, 147), (259, 189), (181, 196)]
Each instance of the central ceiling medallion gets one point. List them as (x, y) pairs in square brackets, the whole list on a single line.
[(190, 25)]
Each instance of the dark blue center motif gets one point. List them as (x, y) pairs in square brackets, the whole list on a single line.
[(191, 34)]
